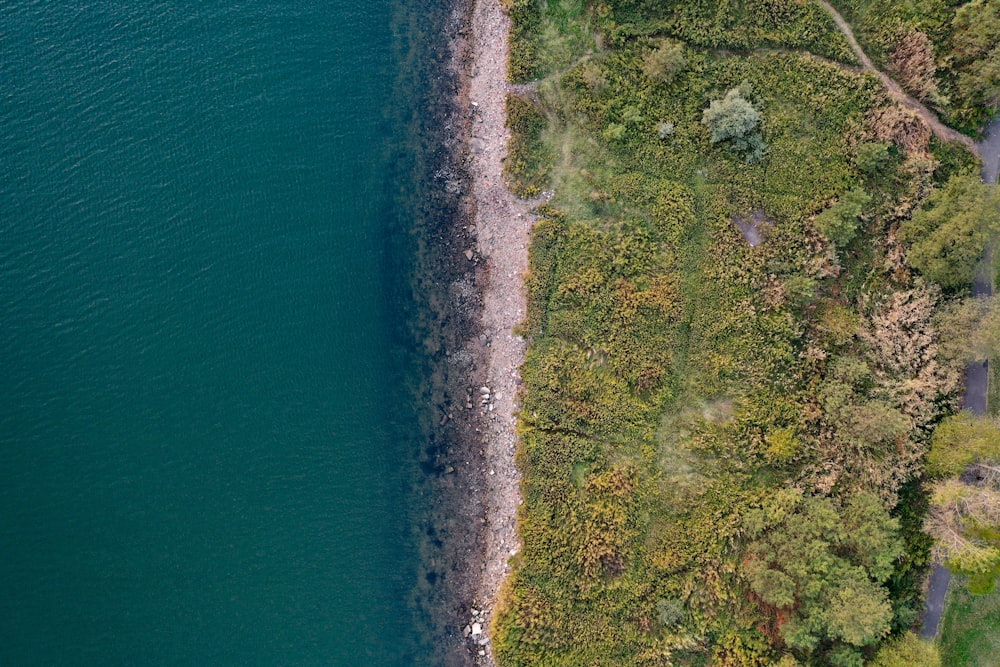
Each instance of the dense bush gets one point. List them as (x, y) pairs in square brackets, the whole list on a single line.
[(664, 62), (974, 58), (525, 19), (735, 121), (943, 51)]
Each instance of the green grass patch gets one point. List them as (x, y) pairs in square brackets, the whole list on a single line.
[(739, 25), (528, 162), (970, 630), (547, 36)]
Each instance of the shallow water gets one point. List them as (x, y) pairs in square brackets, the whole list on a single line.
[(208, 452)]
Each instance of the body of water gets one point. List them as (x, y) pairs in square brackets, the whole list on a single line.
[(207, 452)]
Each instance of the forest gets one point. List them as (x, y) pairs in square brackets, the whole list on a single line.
[(749, 319)]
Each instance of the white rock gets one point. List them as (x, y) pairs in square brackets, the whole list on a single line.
[(477, 629)]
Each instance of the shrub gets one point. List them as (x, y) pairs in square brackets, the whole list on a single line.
[(913, 59), (735, 120), (666, 62)]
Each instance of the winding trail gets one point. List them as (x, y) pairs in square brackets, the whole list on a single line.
[(896, 91)]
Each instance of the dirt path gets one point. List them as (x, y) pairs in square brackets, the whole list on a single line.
[(896, 91)]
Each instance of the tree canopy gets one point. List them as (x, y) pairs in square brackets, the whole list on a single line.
[(819, 568), (948, 236), (908, 651), (840, 222)]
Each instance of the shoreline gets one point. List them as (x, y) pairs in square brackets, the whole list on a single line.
[(468, 283), (499, 228)]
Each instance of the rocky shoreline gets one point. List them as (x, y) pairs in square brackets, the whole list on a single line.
[(472, 237), (502, 229)]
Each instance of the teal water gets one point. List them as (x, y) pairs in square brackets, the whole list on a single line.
[(206, 450)]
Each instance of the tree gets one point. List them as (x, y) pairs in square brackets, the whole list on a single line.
[(975, 56), (908, 650), (965, 525), (735, 120), (965, 507), (819, 569), (873, 157), (664, 63), (839, 223), (960, 441), (958, 323), (948, 236), (859, 422), (969, 329), (986, 336)]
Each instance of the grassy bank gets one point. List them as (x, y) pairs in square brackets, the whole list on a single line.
[(716, 433)]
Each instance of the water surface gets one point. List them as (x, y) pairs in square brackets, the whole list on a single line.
[(206, 450)]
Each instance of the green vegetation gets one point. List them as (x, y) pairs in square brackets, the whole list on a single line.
[(908, 650), (944, 52), (873, 157), (948, 236), (733, 372), (823, 566), (733, 120), (665, 62), (965, 497), (960, 441), (527, 164), (549, 36), (840, 222), (970, 632)]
